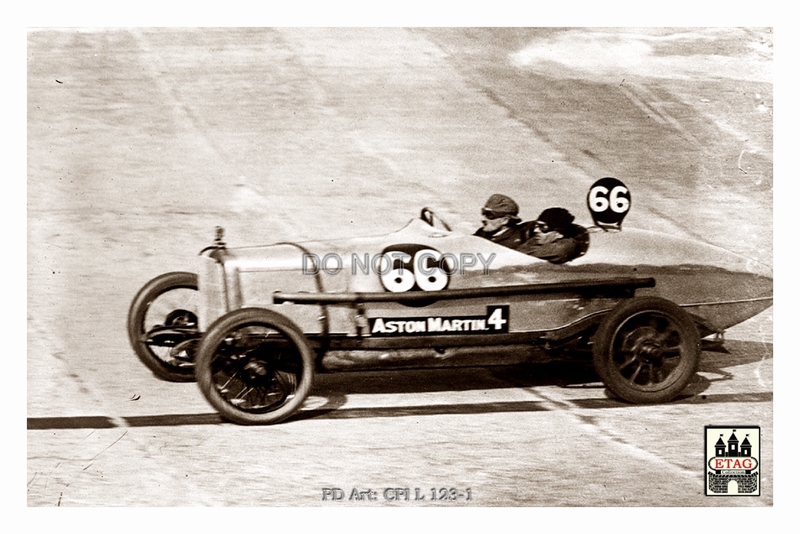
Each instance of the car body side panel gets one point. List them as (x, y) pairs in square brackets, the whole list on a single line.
[(721, 289)]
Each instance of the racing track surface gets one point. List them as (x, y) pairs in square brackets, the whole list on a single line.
[(140, 142)]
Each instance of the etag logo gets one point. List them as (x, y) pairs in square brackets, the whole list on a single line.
[(733, 460)]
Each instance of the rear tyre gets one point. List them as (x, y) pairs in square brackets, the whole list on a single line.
[(254, 366), (646, 350), (169, 300)]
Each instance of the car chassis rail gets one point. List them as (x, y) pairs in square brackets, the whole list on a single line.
[(598, 287), (595, 287)]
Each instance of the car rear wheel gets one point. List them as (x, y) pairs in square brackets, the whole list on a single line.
[(254, 366), (646, 350), (162, 325)]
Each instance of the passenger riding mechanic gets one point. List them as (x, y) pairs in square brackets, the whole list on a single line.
[(500, 222), (552, 236)]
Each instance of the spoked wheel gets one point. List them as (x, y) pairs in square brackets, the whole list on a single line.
[(254, 366), (162, 325), (646, 350)]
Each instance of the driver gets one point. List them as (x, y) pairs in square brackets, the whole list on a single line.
[(500, 222)]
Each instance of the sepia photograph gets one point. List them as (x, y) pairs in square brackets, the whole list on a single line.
[(400, 267)]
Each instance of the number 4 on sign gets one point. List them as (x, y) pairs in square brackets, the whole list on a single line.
[(496, 319)]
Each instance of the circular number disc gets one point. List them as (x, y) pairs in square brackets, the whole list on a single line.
[(413, 267), (609, 201)]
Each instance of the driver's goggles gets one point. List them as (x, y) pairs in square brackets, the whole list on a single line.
[(489, 214)]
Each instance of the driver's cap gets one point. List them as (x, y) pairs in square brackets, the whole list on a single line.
[(502, 205)]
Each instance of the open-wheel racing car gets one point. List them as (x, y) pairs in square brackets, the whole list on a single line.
[(254, 324)]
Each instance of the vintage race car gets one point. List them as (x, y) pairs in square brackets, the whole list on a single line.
[(254, 324)]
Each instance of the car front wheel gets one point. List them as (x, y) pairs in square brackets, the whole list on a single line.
[(162, 325), (254, 366)]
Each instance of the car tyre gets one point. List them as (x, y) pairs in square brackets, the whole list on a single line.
[(173, 370), (254, 366), (646, 350)]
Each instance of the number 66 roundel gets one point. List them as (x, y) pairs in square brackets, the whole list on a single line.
[(410, 267), (609, 202)]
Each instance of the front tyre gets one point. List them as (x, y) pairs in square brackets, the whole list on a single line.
[(646, 350), (254, 366), (162, 325)]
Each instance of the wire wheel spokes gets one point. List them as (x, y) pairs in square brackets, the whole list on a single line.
[(256, 369), (255, 366), (257, 396)]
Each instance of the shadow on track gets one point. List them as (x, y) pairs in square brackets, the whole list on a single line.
[(334, 388)]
